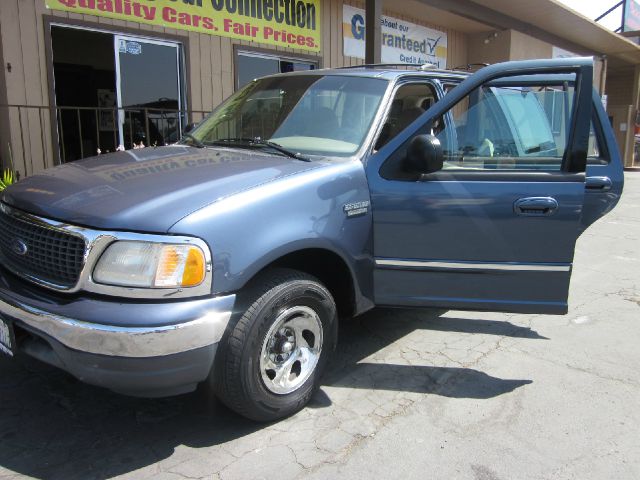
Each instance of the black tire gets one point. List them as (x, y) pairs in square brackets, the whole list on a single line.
[(238, 380)]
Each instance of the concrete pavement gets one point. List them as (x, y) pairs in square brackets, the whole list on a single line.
[(411, 394)]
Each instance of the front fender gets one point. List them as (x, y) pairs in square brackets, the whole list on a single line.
[(252, 229)]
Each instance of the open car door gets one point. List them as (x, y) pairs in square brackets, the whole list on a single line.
[(494, 225), (604, 171)]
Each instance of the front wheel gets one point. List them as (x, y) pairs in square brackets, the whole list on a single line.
[(270, 362)]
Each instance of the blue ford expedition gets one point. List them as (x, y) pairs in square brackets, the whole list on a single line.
[(227, 258)]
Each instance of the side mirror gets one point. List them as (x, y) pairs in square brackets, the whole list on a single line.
[(189, 126), (424, 155)]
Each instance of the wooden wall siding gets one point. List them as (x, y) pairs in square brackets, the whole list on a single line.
[(23, 47), (209, 65), (619, 89)]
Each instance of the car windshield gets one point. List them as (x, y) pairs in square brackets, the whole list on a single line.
[(310, 114)]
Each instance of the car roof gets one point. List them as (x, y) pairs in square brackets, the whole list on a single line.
[(394, 72), (385, 71)]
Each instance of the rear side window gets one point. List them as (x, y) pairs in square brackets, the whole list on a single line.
[(556, 105), (409, 102)]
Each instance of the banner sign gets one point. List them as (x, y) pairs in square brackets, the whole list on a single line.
[(402, 42), (285, 23), (631, 16)]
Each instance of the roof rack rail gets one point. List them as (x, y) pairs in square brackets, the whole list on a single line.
[(398, 66), (471, 66)]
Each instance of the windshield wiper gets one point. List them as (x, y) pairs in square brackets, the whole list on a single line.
[(196, 142), (259, 142)]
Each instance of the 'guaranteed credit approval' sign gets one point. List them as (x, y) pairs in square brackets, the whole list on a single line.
[(402, 42), (286, 23)]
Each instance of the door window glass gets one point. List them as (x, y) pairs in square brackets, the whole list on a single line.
[(594, 146), (507, 127)]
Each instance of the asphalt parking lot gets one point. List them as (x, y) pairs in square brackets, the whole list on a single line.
[(411, 394)]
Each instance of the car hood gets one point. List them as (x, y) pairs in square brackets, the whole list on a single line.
[(149, 189)]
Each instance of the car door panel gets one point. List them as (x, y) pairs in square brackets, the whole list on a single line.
[(490, 239), (604, 175), (604, 178), (471, 257)]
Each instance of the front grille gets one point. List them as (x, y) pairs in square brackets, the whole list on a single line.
[(52, 256)]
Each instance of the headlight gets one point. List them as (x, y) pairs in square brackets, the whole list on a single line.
[(151, 265)]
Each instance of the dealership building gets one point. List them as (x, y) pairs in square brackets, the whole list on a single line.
[(80, 77)]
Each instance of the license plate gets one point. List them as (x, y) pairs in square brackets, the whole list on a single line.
[(7, 340)]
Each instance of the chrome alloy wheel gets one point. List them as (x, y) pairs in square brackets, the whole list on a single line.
[(291, 350)]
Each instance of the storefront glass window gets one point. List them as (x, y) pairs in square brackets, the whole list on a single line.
[(114, 91), (149, 91), (251, 65)]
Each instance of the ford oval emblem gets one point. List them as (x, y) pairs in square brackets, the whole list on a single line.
[(19, 247)]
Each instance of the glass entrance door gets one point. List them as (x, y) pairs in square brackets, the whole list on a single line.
[(148, 89)]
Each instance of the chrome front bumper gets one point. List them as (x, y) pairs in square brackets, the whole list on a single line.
[(126, 341)]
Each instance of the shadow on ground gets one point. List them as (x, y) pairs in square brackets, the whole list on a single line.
[(364, 336), (54, 427)]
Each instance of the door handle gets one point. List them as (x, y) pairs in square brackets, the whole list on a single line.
[(535, 206), (601, 184)]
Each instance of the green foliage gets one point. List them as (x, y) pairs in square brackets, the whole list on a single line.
[(8, 178)]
